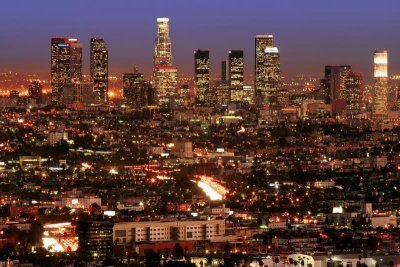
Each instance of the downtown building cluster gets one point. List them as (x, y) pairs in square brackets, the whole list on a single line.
[(67, 84), (341, 91), (236, 173)]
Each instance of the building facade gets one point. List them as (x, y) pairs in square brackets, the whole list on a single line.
[(66, 65), (379, 102), (342, 88), (163, 231), (95, 239), (164, 73), (236, 75), (272, 77), (137, 91), (202, 77), (262, 42), (99, 69)]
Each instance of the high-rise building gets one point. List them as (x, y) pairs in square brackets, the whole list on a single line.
[(379, 103), (202, 77), (137, 91), (165, 81), (164, 73), (334, 83), (163, 53), (262, 42), (76, 60), (236, 75), (66, 65), (398, 97), (95, 239), (99, 69), (342, 88), (354, 93), (272, 79)]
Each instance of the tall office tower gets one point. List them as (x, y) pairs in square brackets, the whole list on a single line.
[(99, 69), (223, 70), (76, 61), (236, 75), (165, 75), (202, 77), (262, 42), (334, 82), (354, 93), (342, 88), (165, 81), (398, 97), (137, 91), (379, 103), (162, 53), (66, 65), (95, 239), (269, 93)]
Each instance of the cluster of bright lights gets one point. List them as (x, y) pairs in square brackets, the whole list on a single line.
[(52, 245), (209, 191)]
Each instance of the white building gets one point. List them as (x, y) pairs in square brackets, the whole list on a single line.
[(159, 231), (79, 202)]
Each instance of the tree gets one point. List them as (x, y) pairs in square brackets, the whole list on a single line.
[(177, 251)]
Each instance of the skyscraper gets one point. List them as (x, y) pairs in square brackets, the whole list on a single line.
[(272, 77), (334, 83), (236, 75), (202, 76), (66, 65), (342, 88), (76, 60), (354, 93), (137, 91), (99, 69), (162, 53), (164, 74), (262, 42), (379, 103)]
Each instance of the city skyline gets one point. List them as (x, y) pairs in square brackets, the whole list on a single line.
[(200, 133), (303, 36)]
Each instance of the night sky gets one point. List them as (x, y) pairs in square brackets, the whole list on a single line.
[(308, 33)]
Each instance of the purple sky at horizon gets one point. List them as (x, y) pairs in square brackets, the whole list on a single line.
[(308, 33)]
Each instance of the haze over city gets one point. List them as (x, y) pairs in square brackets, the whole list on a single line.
[(309, 33)]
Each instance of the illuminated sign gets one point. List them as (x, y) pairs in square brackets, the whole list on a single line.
[(271, 50), (109, 213), (337, 210), (63, 45), (162, 19)]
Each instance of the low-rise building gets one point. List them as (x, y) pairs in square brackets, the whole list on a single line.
[(163, 231)]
